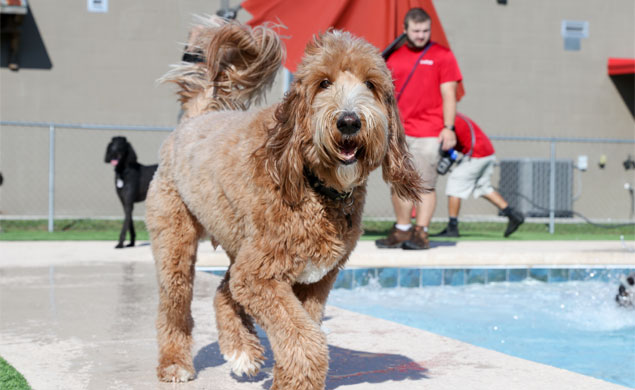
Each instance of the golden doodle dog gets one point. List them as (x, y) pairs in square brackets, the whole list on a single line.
[(281, 189)]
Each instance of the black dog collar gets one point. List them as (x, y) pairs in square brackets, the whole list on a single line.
[(320, 188)]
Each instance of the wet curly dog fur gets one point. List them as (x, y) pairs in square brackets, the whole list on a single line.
[(281, 189)]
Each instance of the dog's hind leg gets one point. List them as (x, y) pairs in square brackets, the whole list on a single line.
[(133, 235), (237, 336), (174, 234), (128, 205)]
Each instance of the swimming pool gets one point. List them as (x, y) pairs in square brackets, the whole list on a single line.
[(566, 318)]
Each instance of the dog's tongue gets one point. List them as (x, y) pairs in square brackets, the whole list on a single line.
[(114, 162), (348, 152)]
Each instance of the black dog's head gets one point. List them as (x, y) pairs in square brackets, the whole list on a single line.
[(626, 292), (120, 151)]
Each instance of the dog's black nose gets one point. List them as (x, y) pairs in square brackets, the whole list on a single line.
[(349, 123)]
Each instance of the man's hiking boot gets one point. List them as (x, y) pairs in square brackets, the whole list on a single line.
[(418, 240), (395, 238), (516, 218)]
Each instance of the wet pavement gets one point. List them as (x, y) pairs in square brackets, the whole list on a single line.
[(82, 318)]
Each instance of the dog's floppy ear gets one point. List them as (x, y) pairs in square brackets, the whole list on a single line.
[(131, 156), (284, 146), (108, 157), (397, 167)]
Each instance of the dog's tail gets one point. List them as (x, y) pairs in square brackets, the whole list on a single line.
[(238, 65)]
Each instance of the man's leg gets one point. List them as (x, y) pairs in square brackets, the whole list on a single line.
[(425, 208), (454, 206), (484, 188), (400, 231), (402, 208), (459, 186), (515, 217), (452, 230), (496, 199), (425, 152)]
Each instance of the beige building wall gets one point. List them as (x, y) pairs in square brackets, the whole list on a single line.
[(103, 70), (519, 82)]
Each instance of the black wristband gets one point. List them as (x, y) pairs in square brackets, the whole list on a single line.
[(449, 127)]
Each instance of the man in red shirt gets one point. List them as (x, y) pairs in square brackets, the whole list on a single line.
[(425, 76), (473, 176)]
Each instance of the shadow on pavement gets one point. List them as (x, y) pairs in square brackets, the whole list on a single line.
[(346, 366)]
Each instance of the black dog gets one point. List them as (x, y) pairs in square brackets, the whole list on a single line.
[(131, 181), (626, 292)]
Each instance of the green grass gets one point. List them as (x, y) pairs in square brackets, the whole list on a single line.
[(108, 230), (10, 379), (67, 230)]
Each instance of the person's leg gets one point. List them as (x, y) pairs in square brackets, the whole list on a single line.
[(459, 186), (428, 150), (454, 206), (452, 229), (484, 188), (400, 231), (402, 209), (425, 208), (425, 152), (496, 199)]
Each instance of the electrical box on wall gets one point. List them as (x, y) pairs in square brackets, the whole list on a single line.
[(583, 163), (572, 31), (99, 6)]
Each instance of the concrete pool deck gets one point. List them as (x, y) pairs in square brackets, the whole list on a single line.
[(80, 315), (441, 254)]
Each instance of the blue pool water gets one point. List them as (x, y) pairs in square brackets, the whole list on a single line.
[(575, 325)]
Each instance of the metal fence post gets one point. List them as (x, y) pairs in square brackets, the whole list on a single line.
[(51, 176), (552, 188)]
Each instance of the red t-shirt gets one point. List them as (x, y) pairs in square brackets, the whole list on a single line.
[(482, 145), (420, 103)]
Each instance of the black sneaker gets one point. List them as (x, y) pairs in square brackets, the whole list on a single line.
[(516, 218), (449, 231)]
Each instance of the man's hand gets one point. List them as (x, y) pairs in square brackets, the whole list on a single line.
[(447, 138)]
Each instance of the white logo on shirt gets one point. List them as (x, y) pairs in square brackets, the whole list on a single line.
[(426, 62)]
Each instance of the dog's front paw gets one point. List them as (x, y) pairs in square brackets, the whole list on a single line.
[(241, 363), (130, 245), (119, 246), (174, 373)]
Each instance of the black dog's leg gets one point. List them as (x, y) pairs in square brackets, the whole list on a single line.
[(132, 232), (127, 222)]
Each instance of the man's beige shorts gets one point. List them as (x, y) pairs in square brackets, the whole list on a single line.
[(471, 176), (425, 152)]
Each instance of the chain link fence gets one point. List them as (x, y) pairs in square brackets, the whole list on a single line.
[(57, 171), (593, 181)]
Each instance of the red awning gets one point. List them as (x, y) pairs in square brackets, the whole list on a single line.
[(377, 21), (617, 66)]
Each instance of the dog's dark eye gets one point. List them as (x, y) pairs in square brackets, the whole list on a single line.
[(370, 85), (325, 84)]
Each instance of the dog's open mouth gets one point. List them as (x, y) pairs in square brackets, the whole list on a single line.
[(114, 162), (348, 151)]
